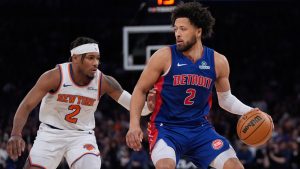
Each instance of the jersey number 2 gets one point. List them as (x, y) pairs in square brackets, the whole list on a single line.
[(70, 117), (188, 99)]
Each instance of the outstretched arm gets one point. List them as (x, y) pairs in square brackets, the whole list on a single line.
[(48, 81), (226, 100), (113, 88)]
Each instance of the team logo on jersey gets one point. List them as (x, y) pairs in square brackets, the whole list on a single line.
[(217, 144), (204, 65), (192, 79), (89, 147), (68, 98)]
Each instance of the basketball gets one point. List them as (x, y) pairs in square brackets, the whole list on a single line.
[(255, 128)]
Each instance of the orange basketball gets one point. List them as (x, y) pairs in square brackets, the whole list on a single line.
[(255, 128)]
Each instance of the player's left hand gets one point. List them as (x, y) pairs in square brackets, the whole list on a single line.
[(257, 109), (254, 109)]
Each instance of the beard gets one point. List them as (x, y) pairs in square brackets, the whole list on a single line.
[(186, 46), (91, 76), (88, 75)]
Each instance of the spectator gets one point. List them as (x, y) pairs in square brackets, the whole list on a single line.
[(139, 160), (245, 155)]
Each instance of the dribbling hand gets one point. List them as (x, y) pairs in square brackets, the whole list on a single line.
[(254, 109), (15, 147), (257, 109), (134, 138)]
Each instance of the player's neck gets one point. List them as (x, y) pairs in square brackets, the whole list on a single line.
[(195, 52), (78, 76)]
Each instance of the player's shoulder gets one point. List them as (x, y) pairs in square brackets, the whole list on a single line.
[(221, 65), (220, 59), (52, 74), (219, 55), (163, 53), (50, 80)]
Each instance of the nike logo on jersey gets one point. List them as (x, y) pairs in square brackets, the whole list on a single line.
[(66, 85), (178, 64)]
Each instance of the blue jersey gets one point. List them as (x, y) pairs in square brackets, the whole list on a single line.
[(184, 93)]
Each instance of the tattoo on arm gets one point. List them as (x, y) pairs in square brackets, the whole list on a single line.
[(114, 84)]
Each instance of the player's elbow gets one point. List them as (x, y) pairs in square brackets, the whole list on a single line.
[(25, 108), (222, 105), (225, 100), (140, 90), (28, 106)]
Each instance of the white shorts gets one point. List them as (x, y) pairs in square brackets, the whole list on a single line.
[(51, 145)]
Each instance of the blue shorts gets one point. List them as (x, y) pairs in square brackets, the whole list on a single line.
[(201, 144)]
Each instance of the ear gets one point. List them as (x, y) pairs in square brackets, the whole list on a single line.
[(75, 58), (199, 32)]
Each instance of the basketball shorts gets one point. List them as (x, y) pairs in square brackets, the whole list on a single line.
[(51, 145), (199, 144)]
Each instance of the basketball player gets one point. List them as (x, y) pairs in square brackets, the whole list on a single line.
[(184, 75), (70, 94)]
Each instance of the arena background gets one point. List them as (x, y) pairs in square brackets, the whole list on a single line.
[(259, 38)]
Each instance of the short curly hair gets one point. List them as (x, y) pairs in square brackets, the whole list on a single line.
[(198, 15), (81, 41)]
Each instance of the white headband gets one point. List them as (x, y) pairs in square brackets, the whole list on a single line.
[(86, 48)]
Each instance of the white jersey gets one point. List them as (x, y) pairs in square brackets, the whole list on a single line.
[(71, 106)]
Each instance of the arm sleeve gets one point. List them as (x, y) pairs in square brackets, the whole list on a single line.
[(231, 104), (124, 100)]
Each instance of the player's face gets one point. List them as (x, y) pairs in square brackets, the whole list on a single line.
[(90, 64), (186, 34)]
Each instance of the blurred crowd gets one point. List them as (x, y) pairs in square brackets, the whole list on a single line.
[(282, 150), (259, 41)]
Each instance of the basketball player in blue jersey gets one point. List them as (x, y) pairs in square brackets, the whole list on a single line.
[(70, 94), (184, 75)]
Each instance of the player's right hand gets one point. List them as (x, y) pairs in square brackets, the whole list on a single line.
[(15, 147), (134, 138)]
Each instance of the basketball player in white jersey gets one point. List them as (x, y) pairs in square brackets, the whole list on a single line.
[(70, 94)]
